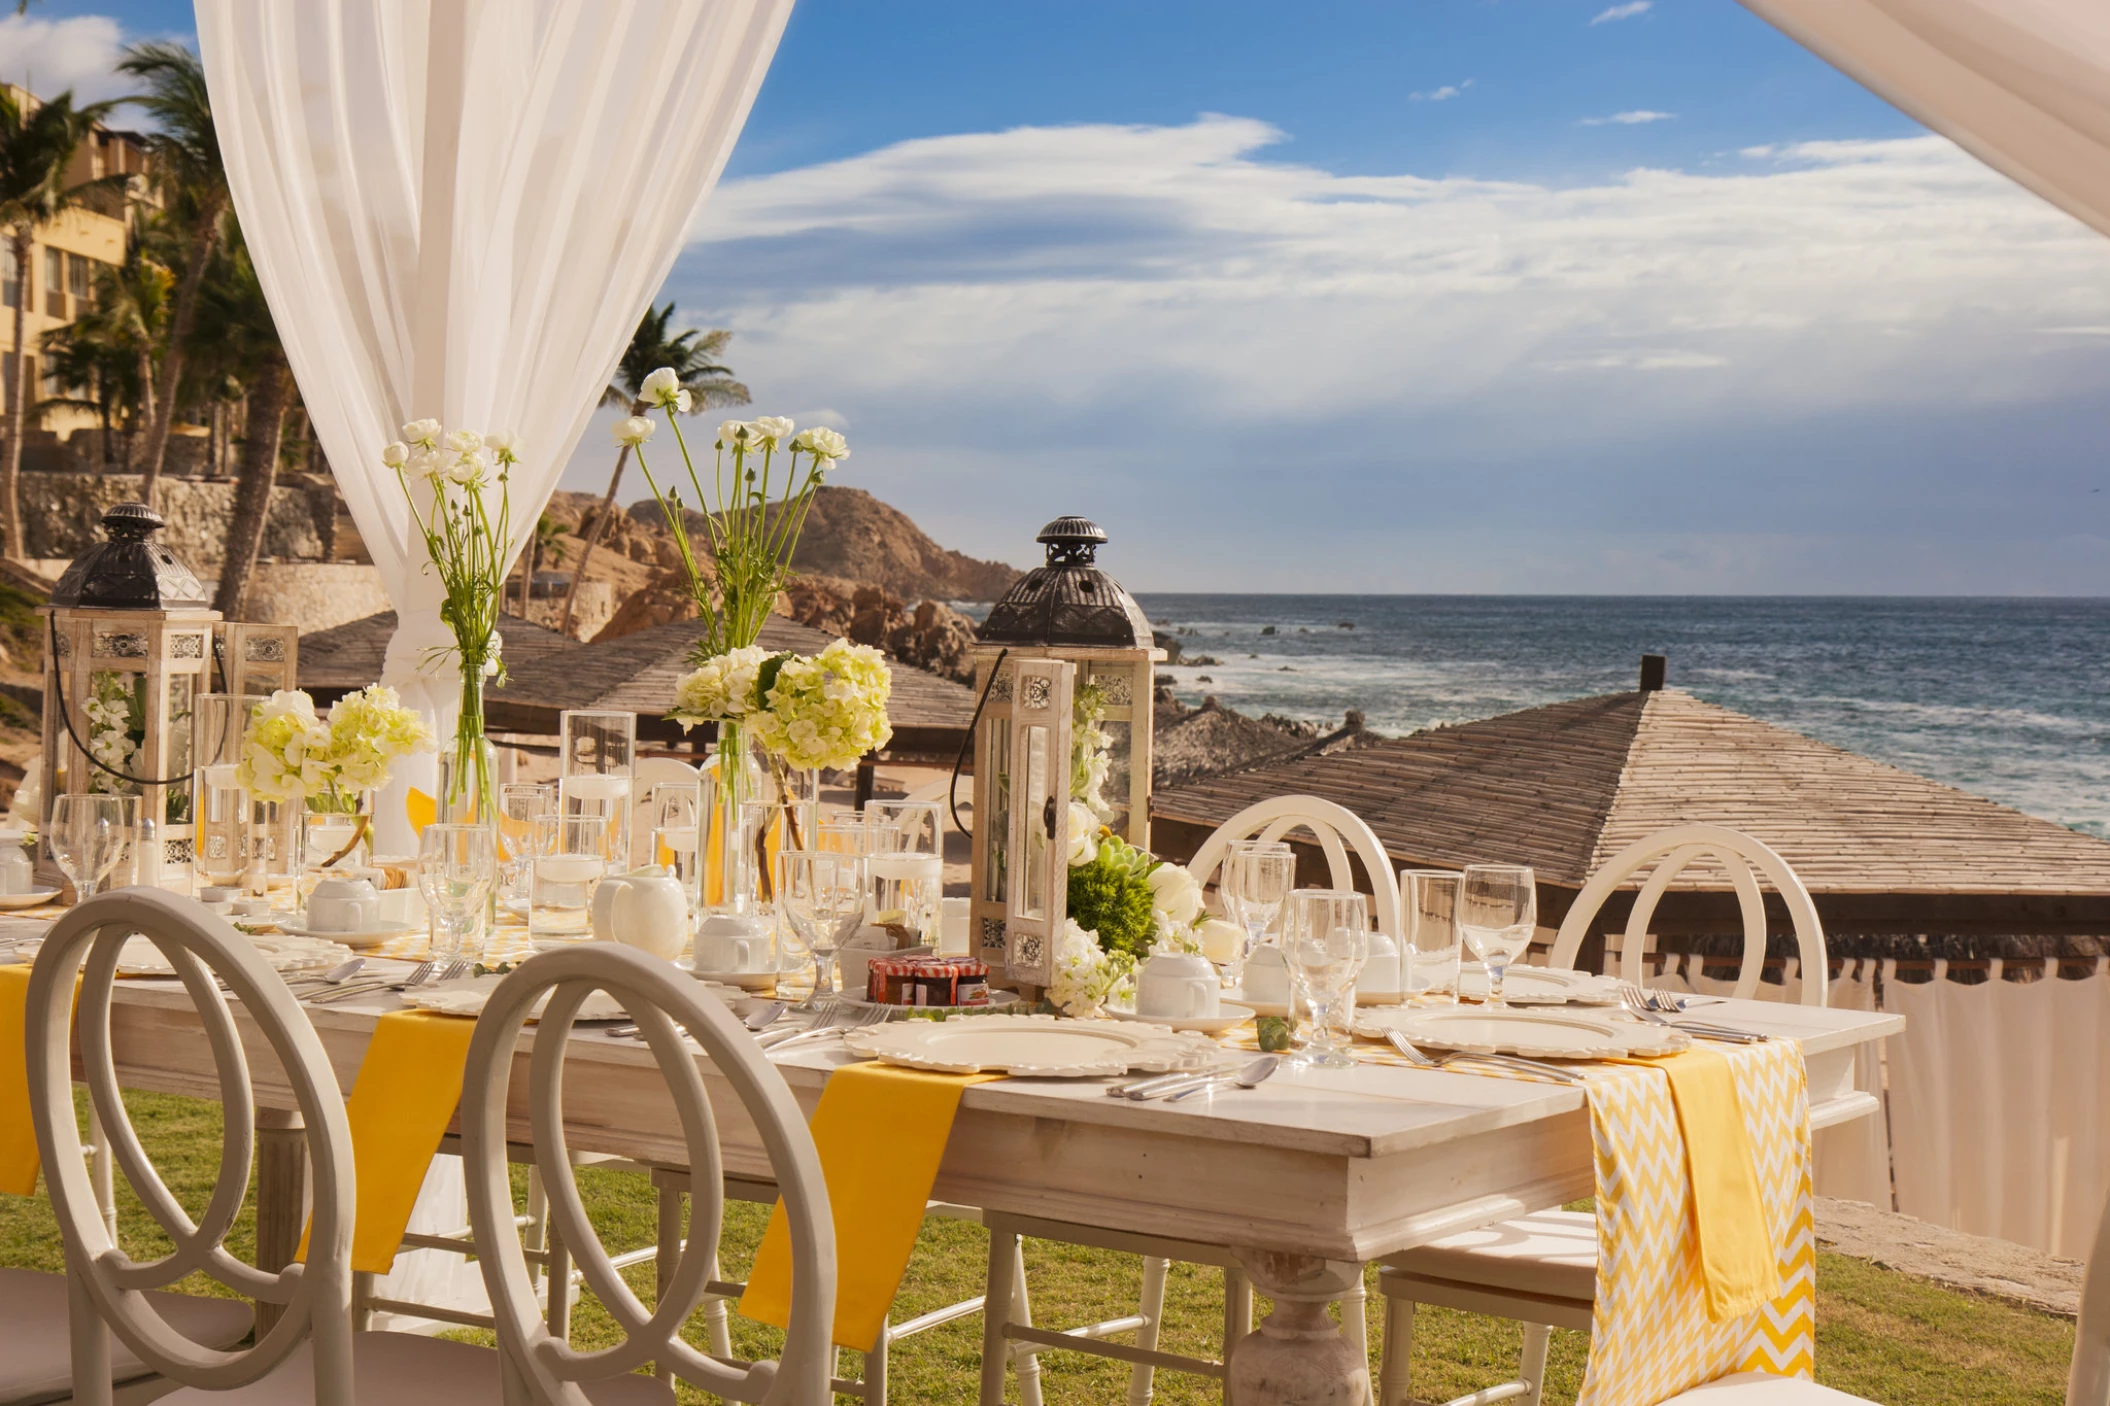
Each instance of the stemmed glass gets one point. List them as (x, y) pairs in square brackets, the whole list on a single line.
[(823, 893), (1498, 907), (457, 864), (88, 837), (1325, 943), (1257, 878)]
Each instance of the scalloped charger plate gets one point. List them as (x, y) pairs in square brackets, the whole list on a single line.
[(1032, 1046), (1535, 1034), (1541, 986)]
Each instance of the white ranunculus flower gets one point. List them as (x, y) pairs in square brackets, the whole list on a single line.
[(734, 433), (661, 387), (465, 441), (425, 463), (468, 468), (772, 428), (505, 446), (682, 401), (1084, 835), (1175, 893), (395, 455), (423, 432), (822, 443), (633, 431)]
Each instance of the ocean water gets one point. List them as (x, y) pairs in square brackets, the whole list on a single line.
[(2004, 698)]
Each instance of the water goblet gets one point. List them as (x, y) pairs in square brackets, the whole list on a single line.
[(88, 837), (1325, 941), (1258, 876), (1497, 913), (457, 865), (823, 894), (1428, 903)]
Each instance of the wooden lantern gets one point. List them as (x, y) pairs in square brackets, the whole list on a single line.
[(1066, 630)]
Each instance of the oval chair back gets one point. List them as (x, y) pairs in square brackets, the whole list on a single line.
[(647, 774), (665, 1003), (1666, 854), (109, 1287), (1332, 825)]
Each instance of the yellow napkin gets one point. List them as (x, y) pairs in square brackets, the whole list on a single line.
[(420, 810), (401, 1103), (881, 1133), (1737, 1259), (18, 1134)]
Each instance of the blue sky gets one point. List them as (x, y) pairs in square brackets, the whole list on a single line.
[(1525, 295)]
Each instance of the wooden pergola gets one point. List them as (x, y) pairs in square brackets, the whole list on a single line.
[(1565, 786)]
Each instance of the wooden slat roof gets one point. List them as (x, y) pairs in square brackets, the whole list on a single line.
[(350, 655), (1565, 786)]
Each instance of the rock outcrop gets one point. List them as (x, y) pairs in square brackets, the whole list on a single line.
[(931, 635)]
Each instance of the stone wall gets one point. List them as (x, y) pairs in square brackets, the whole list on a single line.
[(315, 595), (62, 515)]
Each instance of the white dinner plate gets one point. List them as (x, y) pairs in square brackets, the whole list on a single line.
[(1226, 1017), (1535, 1034), (357, 941), (1031, 1046), (286, 956), (1541, 986), (469, 995), (34, 898), (787, 965)]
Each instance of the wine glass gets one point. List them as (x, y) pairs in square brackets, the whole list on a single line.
[(1498, 907), (88, 837), (457, 864), (823, 893), (1325, 943), (1258, 876)]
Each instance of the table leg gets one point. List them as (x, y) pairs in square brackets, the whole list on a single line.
[(281, 1197), (1298, 1357)]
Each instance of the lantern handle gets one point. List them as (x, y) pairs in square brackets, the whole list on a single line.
[(952, 790), (58, 687)]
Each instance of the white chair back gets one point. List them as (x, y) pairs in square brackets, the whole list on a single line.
[(2088, 1376), (1330, 824), (1666, 854), (108, 1286), (665, 1003), (648, 773)]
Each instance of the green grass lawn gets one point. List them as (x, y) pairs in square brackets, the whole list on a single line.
[(1881, 1335)]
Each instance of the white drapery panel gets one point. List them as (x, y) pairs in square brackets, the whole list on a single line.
[(459, 209), (2023, 85)]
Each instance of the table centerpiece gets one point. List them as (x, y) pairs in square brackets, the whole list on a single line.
[(331, 767)]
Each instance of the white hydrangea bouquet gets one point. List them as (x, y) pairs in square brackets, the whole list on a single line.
[(456, 485), (290, 754)]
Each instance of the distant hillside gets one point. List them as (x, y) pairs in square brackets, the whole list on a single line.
[(851, 534)]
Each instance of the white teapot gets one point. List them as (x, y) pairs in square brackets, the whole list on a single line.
[(646, 908), (1177, 986)]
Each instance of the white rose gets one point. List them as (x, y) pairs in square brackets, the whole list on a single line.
[(1220, 941), (1175, 893), (822, 443), (661, 388), (423, 432), (770, 428), (1084, 836), (396, 455), (633, 431)]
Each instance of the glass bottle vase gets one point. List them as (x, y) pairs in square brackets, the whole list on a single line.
[(754, 807)]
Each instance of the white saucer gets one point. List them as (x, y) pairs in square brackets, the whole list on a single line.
[(1253, 1003), (12, 901), (354, 940), (1228, 1015)]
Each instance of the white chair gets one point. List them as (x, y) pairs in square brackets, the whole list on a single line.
[(1012, 1338), (310, 1353), (666, 1006), (1542, 1268), (2087, 1373)]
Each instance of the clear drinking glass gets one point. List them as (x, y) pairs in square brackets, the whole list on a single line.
[(520, 805), (89, 838), (1325, 941), (677, 830), (916, 821), (847, 834), (571, 857), (598, 751), (906, 888), (457, 865), (1498, 907), (1257, 878), (823, 895), (1428, 904), (220, 808)]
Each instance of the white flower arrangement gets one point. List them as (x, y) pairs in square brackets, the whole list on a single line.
[(285, 749), (1088, 977), (827, 710), (291, 754), (721, 689), (370, 731), (115, 733)]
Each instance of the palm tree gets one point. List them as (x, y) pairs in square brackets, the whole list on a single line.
[(546, 545), (235, 320), (693, 355), (109, 348), (37, 147), (186, 152)]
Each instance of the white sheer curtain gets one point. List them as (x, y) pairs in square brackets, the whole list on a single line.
[(2023, 85), (459, 209)]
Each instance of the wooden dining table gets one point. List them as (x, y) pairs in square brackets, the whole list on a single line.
[(1305, 1179)]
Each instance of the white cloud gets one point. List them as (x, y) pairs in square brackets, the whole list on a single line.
[(49, 56), (1161, 327), (1623, 12), (1441, 95), (1635, 118)]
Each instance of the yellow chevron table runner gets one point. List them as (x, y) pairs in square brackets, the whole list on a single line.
[(1653, 1333)]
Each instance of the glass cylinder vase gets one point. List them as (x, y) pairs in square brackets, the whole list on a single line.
[(468, 793), (337, 837), (754, 807)]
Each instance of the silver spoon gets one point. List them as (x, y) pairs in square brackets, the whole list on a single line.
[(335, 976), (761, 1018), (1251, 1076)]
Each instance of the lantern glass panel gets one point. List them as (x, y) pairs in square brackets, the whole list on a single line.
[(995, 828), (1114, 792), (1033, 902), (182, 696)]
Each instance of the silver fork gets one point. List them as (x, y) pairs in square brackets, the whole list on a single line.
[(758, 1019), (837, 1019), (1416, 1055), (1653, 1006), (419, 975)]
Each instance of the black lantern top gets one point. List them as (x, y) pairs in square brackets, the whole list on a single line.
[(130, 571), (1070, 601)]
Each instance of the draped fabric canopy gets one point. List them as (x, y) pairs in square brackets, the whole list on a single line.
[(459, 209), (2023, 85)]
